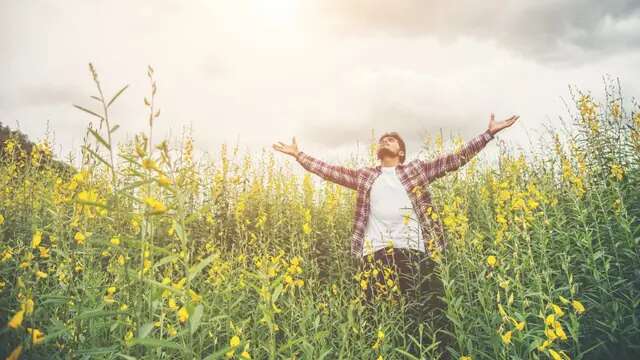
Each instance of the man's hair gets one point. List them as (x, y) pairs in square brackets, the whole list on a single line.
[(396, 136)]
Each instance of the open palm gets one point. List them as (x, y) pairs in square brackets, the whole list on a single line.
[(496, 126), (287, 149)]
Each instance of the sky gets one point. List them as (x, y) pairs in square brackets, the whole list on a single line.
[(330, 72)]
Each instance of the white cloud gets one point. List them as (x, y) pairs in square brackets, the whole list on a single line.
[(231, 70)]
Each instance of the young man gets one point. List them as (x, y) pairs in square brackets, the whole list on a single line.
[(391, 224)]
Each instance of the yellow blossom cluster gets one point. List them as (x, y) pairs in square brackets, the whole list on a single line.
[(294, 270), (378, 278), (588, 112), (553, 327)]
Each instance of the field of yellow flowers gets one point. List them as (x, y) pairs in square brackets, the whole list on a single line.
[(145, 252)]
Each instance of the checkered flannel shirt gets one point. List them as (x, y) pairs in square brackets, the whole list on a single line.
[(415, 176)]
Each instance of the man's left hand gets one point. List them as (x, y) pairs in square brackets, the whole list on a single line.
[(496, 126)]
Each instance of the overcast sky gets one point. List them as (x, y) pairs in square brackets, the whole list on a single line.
[(326, 71)]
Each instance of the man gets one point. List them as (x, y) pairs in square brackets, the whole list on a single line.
[(392, 226)]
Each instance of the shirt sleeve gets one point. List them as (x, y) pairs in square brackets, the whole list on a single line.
[(449, 162), (338, 174)]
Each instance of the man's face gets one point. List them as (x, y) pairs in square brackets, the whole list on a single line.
[(389, 146)]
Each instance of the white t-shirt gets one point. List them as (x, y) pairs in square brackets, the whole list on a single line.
[(392, 218)]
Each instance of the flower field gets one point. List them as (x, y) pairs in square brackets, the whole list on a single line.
[(147, 251)]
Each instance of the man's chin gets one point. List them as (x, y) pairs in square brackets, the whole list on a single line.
[(385, 153)]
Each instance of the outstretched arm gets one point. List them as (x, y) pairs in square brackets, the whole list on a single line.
[(450, 162), (338, 174)]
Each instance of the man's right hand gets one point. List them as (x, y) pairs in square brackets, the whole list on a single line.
[(288, 149)]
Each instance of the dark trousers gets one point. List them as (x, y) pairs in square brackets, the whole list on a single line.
[(414, 279)]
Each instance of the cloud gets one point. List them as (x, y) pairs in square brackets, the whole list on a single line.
[(560, 32), (46, 95)]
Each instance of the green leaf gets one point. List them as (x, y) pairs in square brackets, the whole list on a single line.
[(127, 357), (130, 159), (88, 111), (100, 139), (165, 260), (94, 314), (95, 154), (152, 342), (97, 350), (166, 287), (195, 270), (145, 330), (114, 128), (217, 355), (277, 292), (180, 232), (117, 94), (137, 184), (194, 320)]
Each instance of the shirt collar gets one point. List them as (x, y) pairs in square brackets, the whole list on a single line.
[(379, 167)]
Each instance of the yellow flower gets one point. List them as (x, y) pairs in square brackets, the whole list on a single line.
[(557, 310), (111, 290), (380, 334), (164, 181), (465, 358), (299, 283), (617, 171), (36, 239), (306, 229), (555, 355), (156, 206), (550, 320), (288, 279), (44, 252), (544, 345), (41, 275), (520, 326), (1, 219), (36, 335), (550, 334), (363, 284), (115, 241), (559, 331), (506, 338), (195, 297), (245, 355), (491, 260), (183, 314), (171, 330), (149, 164), (28, 306), (79, 238), (15, 354), (235, 341), (172, 304), (577, 306), (16, 320)]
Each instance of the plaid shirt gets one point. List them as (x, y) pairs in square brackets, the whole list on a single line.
[(415, 176)]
